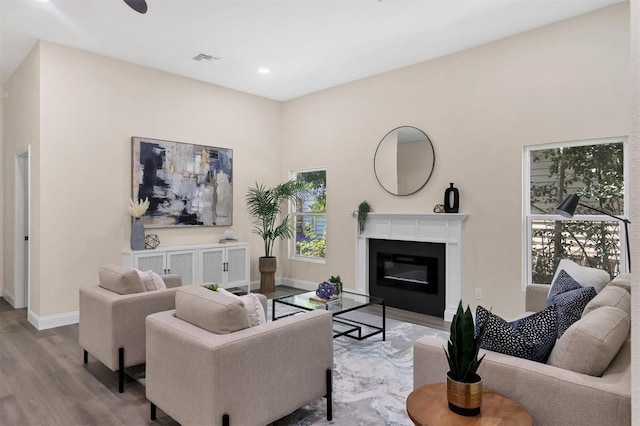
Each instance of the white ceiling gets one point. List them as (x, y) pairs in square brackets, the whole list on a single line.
[(308, 45)]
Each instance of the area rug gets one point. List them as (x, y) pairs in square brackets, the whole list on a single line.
[(372, 378)]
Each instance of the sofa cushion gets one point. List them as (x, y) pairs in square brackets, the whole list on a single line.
[(623, 281), (252, 305), (210, 310), (590, 344), (120, 279), (152, 281), (587, 277), (614, 296), (531, 337)]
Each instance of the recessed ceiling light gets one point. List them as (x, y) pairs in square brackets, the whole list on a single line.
[(263, 70)]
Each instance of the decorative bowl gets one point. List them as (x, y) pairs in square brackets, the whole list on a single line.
[(325, 290)]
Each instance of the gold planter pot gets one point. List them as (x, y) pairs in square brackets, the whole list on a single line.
[(464, 398), (267, 267)]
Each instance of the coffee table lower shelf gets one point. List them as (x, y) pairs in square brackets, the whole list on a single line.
[(342, 326)]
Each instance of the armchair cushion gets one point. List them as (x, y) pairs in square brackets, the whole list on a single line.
[(120, 279), (210, 310)]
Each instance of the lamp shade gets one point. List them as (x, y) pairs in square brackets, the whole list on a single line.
[(568, 207), (139, 6)]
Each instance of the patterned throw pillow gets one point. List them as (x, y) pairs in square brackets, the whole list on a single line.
[(531, 337), (570, 305), (570, 299), (564, 282)]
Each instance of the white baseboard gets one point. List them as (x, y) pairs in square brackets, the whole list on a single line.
[(53, 321), (295, 283), (9, 298)]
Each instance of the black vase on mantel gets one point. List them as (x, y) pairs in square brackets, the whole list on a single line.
[(451, 199)]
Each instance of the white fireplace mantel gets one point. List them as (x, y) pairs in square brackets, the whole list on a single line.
[(443, 228)]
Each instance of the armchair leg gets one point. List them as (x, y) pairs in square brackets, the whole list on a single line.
[(153, 411), (86, 357), (329, 394), (225, 420), (121, 370)]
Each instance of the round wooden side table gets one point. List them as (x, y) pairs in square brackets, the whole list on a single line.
[(428, 405)]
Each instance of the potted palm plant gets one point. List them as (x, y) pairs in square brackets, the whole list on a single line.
[(464, 386), (264, 206)]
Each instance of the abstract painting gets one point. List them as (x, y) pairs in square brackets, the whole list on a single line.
[(187, 185)]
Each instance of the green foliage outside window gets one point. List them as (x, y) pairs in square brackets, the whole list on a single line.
[(311, 216), (596, 173)]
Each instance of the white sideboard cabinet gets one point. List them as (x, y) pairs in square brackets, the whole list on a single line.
[(223, 264)]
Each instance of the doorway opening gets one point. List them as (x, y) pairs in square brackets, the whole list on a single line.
[(21, 231)]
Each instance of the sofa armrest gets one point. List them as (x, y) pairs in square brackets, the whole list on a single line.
[(550, 394), (536, 297), (196, 376), (109, 321)]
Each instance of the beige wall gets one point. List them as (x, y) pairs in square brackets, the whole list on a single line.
[(91, 106), (634, 190), (480, 107), (563, 82), (21, 118)]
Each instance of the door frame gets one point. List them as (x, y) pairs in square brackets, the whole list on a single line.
[(22, 223)]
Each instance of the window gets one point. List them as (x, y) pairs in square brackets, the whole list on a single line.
[(310, 217), (595, 170)]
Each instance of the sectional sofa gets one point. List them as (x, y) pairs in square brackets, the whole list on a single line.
[(587, 379)]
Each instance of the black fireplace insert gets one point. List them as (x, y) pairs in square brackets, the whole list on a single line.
[(408, 275)]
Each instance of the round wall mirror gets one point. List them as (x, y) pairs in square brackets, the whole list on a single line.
[(404, 160)]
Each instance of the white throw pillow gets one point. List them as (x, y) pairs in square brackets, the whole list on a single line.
[(585, 276), (151, 280), (227, 293), (255, 310)]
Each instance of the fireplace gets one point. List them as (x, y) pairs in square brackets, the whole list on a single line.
[(444, 228), (408, 275)]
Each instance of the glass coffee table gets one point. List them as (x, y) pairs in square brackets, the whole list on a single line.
[(349, 326)]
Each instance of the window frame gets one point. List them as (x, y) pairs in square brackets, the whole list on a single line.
[(528, 218), (294, 214)]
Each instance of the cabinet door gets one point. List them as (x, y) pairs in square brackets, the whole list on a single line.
[(212, 265), (237, 266), (150, 261), (182, 263)]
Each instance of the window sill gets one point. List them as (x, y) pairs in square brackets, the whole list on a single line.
[(320, 260)]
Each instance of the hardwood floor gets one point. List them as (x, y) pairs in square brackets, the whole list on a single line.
[(43, 380)]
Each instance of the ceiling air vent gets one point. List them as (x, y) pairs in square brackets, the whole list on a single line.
[(203, 57)]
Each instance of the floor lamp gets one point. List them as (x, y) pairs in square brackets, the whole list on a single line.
[(568, 207)]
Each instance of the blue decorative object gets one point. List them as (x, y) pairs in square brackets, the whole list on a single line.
[(325, 290)]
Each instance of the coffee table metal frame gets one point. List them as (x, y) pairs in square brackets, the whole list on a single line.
[(348, 303)]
